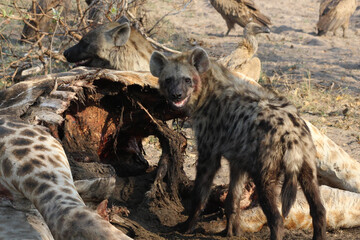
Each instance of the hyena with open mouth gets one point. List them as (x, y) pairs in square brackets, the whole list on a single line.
[(260, 133)]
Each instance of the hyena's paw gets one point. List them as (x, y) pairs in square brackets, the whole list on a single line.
[(233, 226), (185, 227)]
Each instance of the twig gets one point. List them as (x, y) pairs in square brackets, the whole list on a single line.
[(8, 5), (20, 60), (161, 46), (157, 44), (5, 21), (80, 12), (23, 18), (54, 55), (149, 114), (12, 17), (2, 59), (51, 45), (9, 45), (117, 131), (70, 32), (92, 4), (33, 5), (171, 13), (52, 38)]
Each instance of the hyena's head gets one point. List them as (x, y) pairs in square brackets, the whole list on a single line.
[(94, 48), (179, 76)]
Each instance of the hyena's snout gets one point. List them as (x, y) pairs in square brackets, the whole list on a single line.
[(177, 93), (178, 96), (68, 54)]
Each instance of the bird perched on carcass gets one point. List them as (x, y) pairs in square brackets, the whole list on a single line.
[(334, 14), (241, 12), (241, 60)]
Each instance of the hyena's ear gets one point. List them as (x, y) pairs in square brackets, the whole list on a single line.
[(157, 63), (123, 19), (200, 60), (120, 34)]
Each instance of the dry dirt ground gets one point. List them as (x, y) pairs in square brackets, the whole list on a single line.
[(321, 75)]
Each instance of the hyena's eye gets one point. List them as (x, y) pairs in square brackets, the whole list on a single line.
[(188, 80), (84, 44), (167, 80)]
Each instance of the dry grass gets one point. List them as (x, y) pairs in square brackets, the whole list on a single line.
[(332, 107)]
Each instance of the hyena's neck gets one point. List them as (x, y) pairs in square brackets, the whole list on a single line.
[(133, 56), (33, 165), (219, 82), (126, 59)]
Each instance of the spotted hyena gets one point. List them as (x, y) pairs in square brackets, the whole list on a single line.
[(34, 170), (260, 133), (113, 45)]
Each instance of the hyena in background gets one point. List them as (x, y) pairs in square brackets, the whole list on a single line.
[(261, 134), (113, 45), (34, 170)]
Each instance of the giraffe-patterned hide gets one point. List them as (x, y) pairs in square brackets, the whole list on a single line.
[(22, 224), (35, 171), (29, 224)]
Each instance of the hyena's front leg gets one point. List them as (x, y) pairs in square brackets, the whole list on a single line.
[(206, 169), (232, 204)]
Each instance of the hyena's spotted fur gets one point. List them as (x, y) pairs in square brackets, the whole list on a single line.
[(261, 135), (34, 167)]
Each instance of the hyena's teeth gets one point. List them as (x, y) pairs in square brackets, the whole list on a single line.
[(181, 103), (82, 62)]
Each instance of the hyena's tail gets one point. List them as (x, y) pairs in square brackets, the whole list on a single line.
[(292, 159), (288, 192)]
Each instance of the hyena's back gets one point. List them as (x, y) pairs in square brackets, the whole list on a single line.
[(248, 125)]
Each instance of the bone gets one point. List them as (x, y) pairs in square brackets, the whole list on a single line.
[(343, 211)]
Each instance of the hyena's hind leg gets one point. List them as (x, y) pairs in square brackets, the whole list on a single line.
[(308, 181), (232, 204), (206, 168), (267, 193)]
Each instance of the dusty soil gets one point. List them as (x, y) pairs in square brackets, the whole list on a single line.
[(323, 73)]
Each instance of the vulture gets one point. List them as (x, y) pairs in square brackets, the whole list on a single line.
[(334, 14), (241, 12), (241, 60)]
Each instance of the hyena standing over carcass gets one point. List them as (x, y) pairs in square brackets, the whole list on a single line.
[(260, 133)]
